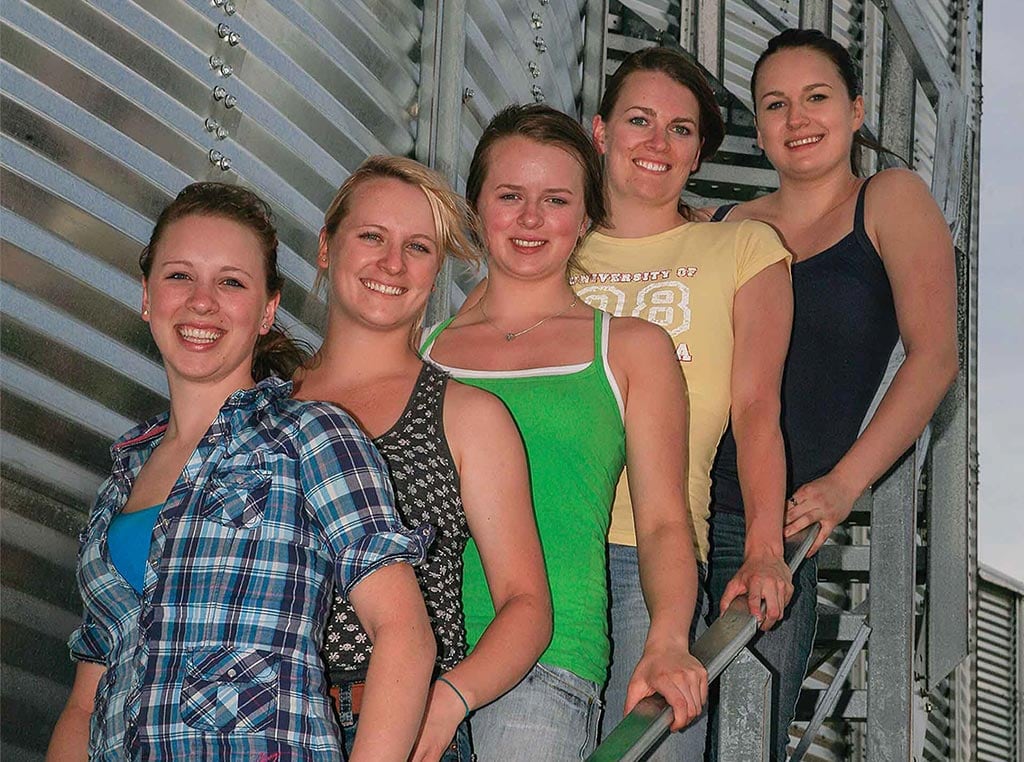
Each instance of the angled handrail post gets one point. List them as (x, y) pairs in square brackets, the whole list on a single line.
[(649, 721)]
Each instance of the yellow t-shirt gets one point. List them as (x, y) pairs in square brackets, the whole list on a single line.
[(684, 280)]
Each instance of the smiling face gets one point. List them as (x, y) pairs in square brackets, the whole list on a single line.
[(531, 204), (651, 139), (805, 116), (206, 300), (383, 256)]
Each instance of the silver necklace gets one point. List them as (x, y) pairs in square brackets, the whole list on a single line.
[(511, 335)]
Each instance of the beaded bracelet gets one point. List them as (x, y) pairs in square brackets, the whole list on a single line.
[(458, 693)]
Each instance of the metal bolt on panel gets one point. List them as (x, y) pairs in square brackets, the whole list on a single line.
[(220, 94), (226, 33), (219, 160), (212, 125), (220, 66)]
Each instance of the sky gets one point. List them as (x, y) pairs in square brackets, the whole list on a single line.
[(1000, 297)]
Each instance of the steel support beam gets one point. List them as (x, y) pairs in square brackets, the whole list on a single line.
[(745, 710), (688, 25), (816, 14), (891, 614), (440, 113), (949, 498), (709, 41), (595, 53), (896, 124), (930, 64)]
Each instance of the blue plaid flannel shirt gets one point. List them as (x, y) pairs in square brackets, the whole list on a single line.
[(219, 657)]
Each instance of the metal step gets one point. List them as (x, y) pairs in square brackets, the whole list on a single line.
[(836, 626), (852, 705)]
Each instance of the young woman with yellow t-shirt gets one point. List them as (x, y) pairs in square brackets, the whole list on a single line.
[(723, 293)]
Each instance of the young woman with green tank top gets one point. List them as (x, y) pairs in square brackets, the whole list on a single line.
[(589, 393)]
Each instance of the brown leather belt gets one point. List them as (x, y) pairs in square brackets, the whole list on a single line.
[(356, 692)]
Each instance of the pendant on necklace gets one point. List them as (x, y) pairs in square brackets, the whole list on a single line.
[(509, 336)]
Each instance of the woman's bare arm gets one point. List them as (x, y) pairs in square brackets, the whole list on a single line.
[(70, 739), (495, 492), (762, 323), (390, 607), (643, 360)]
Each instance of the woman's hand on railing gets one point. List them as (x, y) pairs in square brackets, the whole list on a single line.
[(768, 585), (827, 500), (670, 670)]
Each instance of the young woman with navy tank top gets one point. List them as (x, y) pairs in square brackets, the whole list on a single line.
[(455, 456), (872, 263), (588, 392)]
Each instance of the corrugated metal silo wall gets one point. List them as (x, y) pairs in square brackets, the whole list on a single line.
[(999, 670), (108, 109)]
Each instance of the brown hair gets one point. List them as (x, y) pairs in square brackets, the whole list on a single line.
[(540, 122), (679, 68), (275, 353), (790, 39)]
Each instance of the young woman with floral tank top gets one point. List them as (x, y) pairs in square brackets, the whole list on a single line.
[(455, 456)]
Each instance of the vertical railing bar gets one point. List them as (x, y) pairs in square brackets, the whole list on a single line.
[(745, 709), (710, 38), (891, 614), (595, 56)]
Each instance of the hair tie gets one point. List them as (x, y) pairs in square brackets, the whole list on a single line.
[(450, 684)]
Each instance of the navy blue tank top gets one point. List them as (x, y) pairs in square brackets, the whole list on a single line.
[(844, 332)]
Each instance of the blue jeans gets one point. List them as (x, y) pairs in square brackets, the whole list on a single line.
[(629, 624), (458, 750), (786, 648), (550, 716)]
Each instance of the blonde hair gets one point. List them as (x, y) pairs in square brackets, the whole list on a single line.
[(456, 224)]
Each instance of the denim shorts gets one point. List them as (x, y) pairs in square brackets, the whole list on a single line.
[(551, 716)]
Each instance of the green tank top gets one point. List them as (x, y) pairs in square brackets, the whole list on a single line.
[(570, 418)]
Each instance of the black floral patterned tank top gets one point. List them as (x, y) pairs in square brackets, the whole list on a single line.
[(426, 492)]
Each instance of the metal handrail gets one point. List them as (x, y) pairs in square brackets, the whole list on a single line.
[(649, 721)]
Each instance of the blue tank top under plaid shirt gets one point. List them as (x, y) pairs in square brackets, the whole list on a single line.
[(426, 485)]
